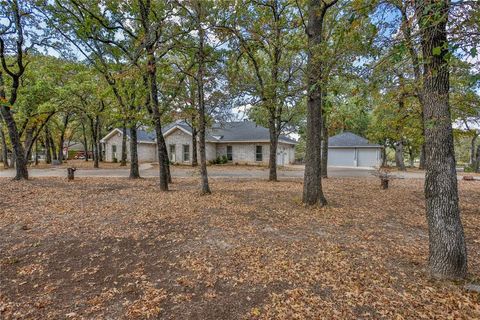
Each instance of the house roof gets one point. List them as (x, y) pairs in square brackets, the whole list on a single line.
[(243, 131), (240, 131), (349, 139), (144, 136)]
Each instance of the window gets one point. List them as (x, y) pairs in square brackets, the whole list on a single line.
[(229, 153), (186, 152), (114, 151), (172, 156), (258, 153)]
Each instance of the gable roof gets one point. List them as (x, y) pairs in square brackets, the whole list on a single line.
[(239, 131), (349, 139), (143, 136)]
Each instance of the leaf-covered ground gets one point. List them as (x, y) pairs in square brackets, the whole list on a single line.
[(120, 249)]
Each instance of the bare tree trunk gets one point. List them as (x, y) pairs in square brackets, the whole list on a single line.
[(52, 145), (477, 162), (48, 151), (384, 156), (399, 160), (201, 99), (4, 149), (36, 152), (134, 171), (272, 163), (18, 151), (472, 150), (312, 187), (194, 146), (93, 127), (85, 141), (448, 252), (66, 119), (324, 168), (421, 165), (123, 161), (161, 146), (411, 157), (99, 136)]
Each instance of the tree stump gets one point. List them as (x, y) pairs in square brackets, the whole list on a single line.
[(384, 183), (71, 173)]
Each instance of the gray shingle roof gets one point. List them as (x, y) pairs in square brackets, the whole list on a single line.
[(232, 132), (243, 131), (225, 132), (144, 136), (348, 139)]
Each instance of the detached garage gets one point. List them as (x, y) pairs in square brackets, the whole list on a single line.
[(350, 150)]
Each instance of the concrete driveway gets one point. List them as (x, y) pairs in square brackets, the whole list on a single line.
[(149, 170)]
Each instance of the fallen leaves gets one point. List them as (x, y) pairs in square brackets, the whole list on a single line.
[(114, 248)]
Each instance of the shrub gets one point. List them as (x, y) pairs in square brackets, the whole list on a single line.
[(468, 169), (115, 160)]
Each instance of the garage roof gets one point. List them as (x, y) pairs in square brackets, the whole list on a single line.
[(349, 139)]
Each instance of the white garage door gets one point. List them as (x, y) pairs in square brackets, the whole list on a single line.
[(368, 157), (341, 157)]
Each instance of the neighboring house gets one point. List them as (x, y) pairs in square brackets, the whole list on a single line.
[(241, 142), (350, 150)]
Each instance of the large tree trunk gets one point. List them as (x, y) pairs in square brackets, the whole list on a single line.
[(312, 187), (85, 141), (411, 156), (472, 150), (421, 165), (99, 137), (93, 128), (384, 156), (448, 253), (4, 148), (324, 169), (201, 100), (123, 161), (194, 146), (134, 171), (28, 143), (48, 151), (477, 161), (52, 146), (62, 137), (272, 163), (161, 146), (399, 160), (18, 151)]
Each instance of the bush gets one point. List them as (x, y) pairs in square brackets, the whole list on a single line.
[(115, 160), (468, 169), (219, 160)]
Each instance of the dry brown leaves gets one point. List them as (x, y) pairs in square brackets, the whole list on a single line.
[(120, 249)]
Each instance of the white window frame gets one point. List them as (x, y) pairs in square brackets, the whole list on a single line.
[(186, 159), (172, 155), (256, 153)]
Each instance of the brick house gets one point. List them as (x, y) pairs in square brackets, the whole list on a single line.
[(241, 142)]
